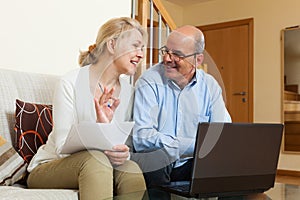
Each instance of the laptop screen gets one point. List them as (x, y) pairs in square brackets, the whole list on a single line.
[(232, 157)]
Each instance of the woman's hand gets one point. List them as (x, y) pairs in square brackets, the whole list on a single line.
[(119, 154), (106, 106)]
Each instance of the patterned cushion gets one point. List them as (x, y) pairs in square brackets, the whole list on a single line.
[(33, 125), (12, 166)]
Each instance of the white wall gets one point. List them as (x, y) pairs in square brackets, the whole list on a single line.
[(175, 11), (45, 36)]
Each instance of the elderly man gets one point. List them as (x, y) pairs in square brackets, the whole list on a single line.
[(171, 98)]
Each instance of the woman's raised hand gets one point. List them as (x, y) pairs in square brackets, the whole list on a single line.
[(105, 106)]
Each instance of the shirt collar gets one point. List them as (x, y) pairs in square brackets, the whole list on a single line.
[(193, 81)]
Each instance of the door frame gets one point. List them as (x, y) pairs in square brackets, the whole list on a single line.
[(249, 22)]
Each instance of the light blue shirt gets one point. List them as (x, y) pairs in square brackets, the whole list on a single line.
[(167, 117)]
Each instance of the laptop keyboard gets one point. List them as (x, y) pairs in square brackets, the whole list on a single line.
[(183, 188)]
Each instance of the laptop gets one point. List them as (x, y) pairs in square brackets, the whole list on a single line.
[(232, 159)]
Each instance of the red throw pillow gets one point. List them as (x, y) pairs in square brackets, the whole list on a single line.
[(33, 126)]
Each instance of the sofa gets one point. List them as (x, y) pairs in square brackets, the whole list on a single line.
[(33, 89)]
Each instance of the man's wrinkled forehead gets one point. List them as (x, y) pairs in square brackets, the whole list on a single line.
[(177, 38)]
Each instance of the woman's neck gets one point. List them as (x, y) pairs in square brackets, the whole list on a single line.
[(104, 74)]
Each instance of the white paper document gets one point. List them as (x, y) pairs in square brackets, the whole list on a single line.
[(100, 136)]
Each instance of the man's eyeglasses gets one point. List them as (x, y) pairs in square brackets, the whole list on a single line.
[(176, 56)]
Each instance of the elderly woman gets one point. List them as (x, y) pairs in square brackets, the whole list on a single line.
[(96, 93)]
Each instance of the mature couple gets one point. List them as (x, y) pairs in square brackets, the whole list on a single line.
[(168, 102)]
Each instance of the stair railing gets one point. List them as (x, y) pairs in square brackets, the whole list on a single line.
[(154, 17)]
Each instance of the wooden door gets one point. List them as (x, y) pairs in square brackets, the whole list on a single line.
[(230, 46)]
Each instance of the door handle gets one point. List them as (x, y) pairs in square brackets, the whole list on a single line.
[(240, 93)]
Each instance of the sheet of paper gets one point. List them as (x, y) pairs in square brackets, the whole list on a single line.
[(101, 136)]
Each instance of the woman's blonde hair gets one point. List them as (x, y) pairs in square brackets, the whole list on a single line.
[(112, 29)]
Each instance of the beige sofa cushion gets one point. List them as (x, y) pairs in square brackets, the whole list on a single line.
[(25, 86), (37, 88)]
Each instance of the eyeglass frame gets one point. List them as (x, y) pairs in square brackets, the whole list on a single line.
[(174, 55)]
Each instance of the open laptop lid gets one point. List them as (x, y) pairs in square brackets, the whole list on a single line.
[(235, 158)]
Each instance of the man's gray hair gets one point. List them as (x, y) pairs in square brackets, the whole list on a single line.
[(199, 42)]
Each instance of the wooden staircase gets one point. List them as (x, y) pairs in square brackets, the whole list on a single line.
[(154, 17)]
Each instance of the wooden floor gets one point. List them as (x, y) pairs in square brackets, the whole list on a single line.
[(295, 180)]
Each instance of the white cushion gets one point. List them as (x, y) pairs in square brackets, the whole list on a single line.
[(14, 193)]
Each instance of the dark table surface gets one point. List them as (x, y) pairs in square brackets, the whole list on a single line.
[(280, 191)]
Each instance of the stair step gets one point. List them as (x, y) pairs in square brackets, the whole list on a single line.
[(288, 95), (291, 106), (291, 88)]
